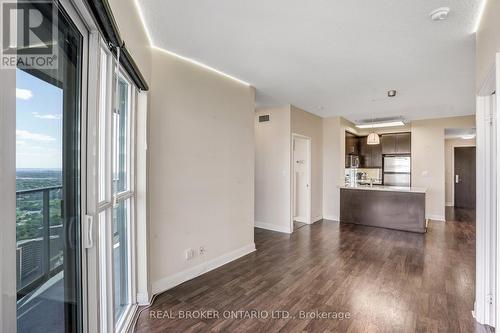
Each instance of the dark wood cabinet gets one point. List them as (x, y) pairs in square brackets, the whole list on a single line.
[(388, 142), (351, 144), (403, 143), (364, 153), (370, 155), (397, 143), (351, 147), (376, 156)]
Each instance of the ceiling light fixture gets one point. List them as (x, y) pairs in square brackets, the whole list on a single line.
[(440, 14), (381, 125), (373, 138), (391, 93), (468, 136)]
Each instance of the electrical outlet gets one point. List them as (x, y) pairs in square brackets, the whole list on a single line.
[(190, 253), (202, 250)]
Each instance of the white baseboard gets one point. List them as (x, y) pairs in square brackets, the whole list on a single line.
[(300, 219), (440, 218), (331, 218), (449, 204), (273, 227), (316, 218), (171, 281), (143, 299)]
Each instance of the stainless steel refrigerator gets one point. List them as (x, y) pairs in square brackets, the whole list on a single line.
[(397, 171)]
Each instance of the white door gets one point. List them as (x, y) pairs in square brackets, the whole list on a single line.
[(301, 179)]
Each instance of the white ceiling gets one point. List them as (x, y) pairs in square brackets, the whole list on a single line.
[(331, 57)]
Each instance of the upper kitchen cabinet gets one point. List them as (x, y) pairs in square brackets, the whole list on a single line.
[(376, 156), (370, 155), (388, 143), (351, 144), (403, 143), (397, 143)]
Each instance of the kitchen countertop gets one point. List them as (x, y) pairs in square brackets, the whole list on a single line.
[(386, 188)]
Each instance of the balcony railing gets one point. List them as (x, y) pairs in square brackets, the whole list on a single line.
[(40, 237)]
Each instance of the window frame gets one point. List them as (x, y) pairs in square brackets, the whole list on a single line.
[(110, 200)]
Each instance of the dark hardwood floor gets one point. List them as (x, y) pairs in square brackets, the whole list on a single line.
[(298, 225), (460, 215), (388, 281)]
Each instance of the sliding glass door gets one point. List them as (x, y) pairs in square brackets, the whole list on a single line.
[(48, 169)]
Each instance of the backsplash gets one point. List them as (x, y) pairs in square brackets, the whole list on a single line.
[(366, 175)]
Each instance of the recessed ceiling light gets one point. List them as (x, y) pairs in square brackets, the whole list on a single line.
[(468, 136), (392, 93), (440, 14), (383, 124)]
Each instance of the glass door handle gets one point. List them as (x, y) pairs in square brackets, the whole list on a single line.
[(88, 226)]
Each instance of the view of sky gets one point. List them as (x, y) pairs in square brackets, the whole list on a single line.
[(38, 123)]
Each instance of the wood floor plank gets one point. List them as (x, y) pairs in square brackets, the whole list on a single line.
[(388, 281)]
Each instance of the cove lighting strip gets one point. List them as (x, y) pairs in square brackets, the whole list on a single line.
[(200, 64), (380, 125), (480, 14), (192, 61)]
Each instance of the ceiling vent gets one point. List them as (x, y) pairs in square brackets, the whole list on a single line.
[(264, 118), (440, 14)]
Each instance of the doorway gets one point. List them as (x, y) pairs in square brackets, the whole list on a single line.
[(460, 177), (465, 177), (301, 180)]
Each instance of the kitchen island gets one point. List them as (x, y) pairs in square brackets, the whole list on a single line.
[(392, 207)]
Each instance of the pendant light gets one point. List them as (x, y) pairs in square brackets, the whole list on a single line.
[(373, 138)]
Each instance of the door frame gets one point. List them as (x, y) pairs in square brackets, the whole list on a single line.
[(451, 203), (309, 178), (83, 20), (73, 9), (8, 292), (8, 311), (487, 202)]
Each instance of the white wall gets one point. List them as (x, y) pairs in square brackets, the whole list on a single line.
[(334, 129), (428, 159), (201, 172), (449, 147), (332, 170), (307, 124), (487, 40), (273, 169)]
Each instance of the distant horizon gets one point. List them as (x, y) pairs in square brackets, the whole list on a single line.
[(32, 169)]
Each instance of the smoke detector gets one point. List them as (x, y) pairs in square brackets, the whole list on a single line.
[(440, 14)]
